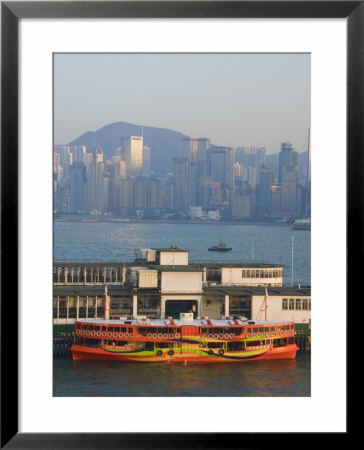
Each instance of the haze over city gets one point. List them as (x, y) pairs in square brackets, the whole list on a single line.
[(232, 99)]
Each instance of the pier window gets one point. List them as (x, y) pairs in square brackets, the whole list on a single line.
[(291, 303), (298, 303), (284, 303), (305, 303)]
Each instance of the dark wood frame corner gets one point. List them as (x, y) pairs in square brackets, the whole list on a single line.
[(11, 12)]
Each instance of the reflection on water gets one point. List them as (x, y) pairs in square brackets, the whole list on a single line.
[(250, 379)]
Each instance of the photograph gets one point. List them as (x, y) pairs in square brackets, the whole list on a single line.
[(181, 224)]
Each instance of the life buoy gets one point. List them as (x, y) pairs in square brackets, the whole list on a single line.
[(165, 336), (171, 336), (98, 333), (221, 351), (78, 331), (160, 335), (154, 335), (226, 336), (115, 334), (120, 335), (149, 335), (221, 336), (216, 336), (178, 335), (126, 335), (104, 333), (210, 336), (93, 333), (131, 335), (109, 334), (231, 336), (204, 336), (273, 333), (159, 353), (88, 332), (170, 352), (248, 335)]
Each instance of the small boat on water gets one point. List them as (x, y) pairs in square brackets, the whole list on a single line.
[(220, 247)]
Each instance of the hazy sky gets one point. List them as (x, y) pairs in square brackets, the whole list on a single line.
[(233, 99)]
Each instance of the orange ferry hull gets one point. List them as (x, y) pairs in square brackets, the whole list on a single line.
[(86, 353)]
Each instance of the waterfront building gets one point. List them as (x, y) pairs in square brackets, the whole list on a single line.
[(161, 282)]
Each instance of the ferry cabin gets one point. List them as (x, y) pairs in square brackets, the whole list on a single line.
[(178, 340)]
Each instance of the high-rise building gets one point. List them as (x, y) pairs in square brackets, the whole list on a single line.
[(77, 187), (180, 184), (221, 165), (146, 162), (190, 149), (203, 144), (289, 191), (276, 200), (287, 158), (133, 150), (264, 191)]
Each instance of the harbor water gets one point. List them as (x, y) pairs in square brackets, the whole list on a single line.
[(108, 241)]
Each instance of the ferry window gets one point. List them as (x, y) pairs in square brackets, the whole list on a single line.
[(111, 329), (130, 330), (266, 329), (291, 303), (97, 328), (272, 329), (103, 328), (257, 274), (255, 330), (90, 327), (305, 303), (78, 326), (261, 329), (117, 329), (243, 273), (249, 330), (123, 329), (309, 304), (298, 303), (248, 273), (284, 303)]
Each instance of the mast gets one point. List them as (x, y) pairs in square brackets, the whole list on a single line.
[(266, 304)]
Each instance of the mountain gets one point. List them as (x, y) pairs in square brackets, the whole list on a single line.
[(164, 144)]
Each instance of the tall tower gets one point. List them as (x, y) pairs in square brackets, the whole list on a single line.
[(180, 184), (266, 182), (287, 158), (133, 148)]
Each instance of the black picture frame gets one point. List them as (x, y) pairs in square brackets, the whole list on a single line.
[(11, 13)]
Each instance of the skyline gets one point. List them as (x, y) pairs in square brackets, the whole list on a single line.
[(233, 99)]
